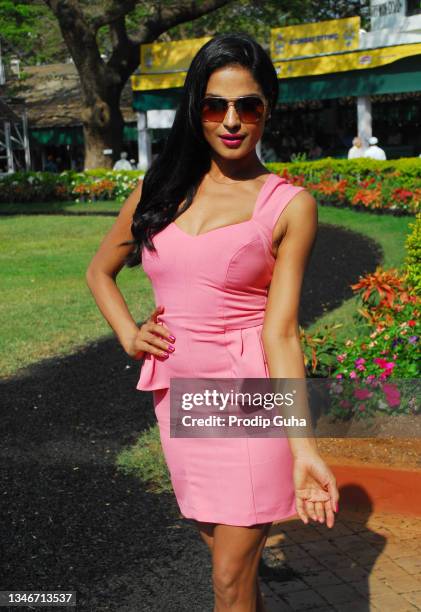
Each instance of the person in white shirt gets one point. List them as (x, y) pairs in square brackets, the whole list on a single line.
[(373, 150), (357, 149), (123, 163)]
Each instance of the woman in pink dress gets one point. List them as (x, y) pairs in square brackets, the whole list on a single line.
[(225, 244)]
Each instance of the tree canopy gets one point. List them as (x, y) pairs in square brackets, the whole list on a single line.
[(30, 31)]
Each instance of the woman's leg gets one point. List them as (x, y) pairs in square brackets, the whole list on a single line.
[(236, 553), (206, 531)]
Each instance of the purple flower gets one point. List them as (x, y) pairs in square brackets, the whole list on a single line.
[(412, 339)]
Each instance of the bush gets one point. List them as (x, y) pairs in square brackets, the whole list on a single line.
[(413, 256), (363, 184), (385, 186)]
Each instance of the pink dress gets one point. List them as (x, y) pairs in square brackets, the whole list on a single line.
[(214, 288)]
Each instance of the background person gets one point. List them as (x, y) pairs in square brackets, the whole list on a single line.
[(357, 149), (373, 151), (123, 163)]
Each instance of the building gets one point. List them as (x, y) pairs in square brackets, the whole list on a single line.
[(336, 81), (52, 95), (14, 141)]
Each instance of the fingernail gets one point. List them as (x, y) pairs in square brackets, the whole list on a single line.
[(166, 354), (171, 338), (170, 348)]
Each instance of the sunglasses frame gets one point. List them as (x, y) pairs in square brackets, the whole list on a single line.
[(233, 101)]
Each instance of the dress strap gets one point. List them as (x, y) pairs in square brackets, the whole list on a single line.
[(278, 193)]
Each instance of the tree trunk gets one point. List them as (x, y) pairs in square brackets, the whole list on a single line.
[(103, 126)]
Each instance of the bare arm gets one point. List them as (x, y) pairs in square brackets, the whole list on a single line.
[(100, 277), (280, 332)]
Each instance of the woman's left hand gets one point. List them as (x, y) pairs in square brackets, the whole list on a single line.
[(316, 493)]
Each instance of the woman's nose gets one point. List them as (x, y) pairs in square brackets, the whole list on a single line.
[(231, 116)]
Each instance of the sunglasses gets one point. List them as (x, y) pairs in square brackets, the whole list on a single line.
[(249, 109)]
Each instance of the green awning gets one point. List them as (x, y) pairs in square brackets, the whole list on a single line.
[(401, 76), (398, 77), (57, 136), (156, 100)]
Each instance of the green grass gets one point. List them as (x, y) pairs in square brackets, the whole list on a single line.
[(28, 208), (48, 310), (146, 461)]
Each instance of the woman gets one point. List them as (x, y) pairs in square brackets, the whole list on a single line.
[(206, 225)]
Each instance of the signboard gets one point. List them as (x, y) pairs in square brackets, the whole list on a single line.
[(341, 62), (315, 38), (386, 13), (174, 56), (165, 64)]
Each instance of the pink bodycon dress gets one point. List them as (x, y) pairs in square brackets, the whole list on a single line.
[(214, 287)]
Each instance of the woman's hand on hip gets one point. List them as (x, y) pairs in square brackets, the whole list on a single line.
[(152, 337), (316, 492)]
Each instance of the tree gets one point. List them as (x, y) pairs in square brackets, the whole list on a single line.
[(104, 37), (102, 80)]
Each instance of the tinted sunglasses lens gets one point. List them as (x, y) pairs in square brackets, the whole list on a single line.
[(214, 109), (250, 109)]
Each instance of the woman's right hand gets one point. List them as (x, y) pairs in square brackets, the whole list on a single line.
[(152, 337)]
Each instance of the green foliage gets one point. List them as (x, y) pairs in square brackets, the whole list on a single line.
[(30, 31), (413, 257), (404, 169)]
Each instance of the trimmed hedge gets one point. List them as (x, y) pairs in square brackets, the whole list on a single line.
[(384, 186)]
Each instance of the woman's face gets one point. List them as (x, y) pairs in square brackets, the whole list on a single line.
[(232, 82)]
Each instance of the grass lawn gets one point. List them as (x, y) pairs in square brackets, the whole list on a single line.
[(47, 308), (65, 207)]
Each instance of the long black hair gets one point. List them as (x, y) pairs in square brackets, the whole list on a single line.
[(176, 173)]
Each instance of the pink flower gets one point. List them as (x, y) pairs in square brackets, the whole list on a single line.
[(380, 361), (345, 403), (359, 363), (361, 407), (392, 394), (362, 394), (353, 374), (341, 357), (339, 375)]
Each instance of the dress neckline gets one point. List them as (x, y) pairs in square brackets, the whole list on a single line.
[(260, 194)]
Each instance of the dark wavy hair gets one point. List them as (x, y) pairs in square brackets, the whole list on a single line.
[(176, 173)]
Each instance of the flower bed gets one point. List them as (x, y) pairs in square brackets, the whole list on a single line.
[(387, 348), (78, 186), (392, 187)]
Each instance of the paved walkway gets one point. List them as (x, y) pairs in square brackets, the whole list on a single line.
[(361, 564)]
